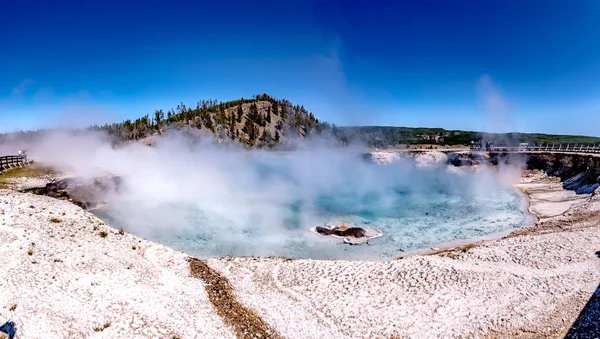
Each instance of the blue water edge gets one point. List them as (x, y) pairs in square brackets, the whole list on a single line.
[(416, 208)]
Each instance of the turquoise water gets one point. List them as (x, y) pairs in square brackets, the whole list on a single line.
[(415, 208)]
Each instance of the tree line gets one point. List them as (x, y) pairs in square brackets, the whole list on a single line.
[(258, 121)]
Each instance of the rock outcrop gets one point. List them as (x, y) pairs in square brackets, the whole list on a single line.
[(84, 193), (578, 172)]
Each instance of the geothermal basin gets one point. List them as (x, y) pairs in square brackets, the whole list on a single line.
[(267, 206)]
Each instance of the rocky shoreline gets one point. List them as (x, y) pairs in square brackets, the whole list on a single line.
[(577, 172)]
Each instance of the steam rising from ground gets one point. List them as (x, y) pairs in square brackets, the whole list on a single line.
[(219, 200)]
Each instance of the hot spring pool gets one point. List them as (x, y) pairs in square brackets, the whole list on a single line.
[(270, 212)]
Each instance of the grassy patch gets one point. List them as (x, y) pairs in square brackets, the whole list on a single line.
[(103, 234), (30, 171), (55, 220), (13, 307)]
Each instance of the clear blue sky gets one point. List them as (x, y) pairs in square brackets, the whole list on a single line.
[(531, 66)]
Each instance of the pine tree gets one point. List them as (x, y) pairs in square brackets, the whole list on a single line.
[(253, 114), (248, 127), (251, 130), (158, 117), (232, 126), (269, 115), (240, 113), (276, 136), (283, 109), (207, 120)]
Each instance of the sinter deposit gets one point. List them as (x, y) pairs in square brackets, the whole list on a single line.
[(67, 274)]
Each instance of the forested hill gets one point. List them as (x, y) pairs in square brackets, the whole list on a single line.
[(266, 121), (263, 121), (384, 136), (259, 121)]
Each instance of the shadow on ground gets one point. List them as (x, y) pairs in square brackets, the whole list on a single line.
[(9, 328), (587, 324)]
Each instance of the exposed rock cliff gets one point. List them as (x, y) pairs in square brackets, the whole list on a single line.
[(578, 172)]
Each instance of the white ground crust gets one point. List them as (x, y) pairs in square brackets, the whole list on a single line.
[(75, 280), (508, 287), (503, 286)]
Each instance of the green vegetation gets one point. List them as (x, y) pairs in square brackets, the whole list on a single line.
[(383, 136), (259, 121), (30, 171), (263, 121)]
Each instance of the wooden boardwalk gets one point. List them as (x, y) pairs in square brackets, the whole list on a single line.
[(11, 161), (559, 148)]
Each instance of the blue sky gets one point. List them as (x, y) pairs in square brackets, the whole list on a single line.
[(529, 66)]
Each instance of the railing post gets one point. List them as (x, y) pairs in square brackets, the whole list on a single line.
[(11, 161)]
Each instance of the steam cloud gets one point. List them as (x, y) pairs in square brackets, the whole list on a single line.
[(495, 105), (229, 200)]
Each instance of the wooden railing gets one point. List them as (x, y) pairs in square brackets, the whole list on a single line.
[(11, 161), (566, 148)]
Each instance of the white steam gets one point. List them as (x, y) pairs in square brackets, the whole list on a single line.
[(223, 198), (495, 105)]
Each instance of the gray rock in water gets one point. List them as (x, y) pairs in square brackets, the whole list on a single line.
[(587, 189)]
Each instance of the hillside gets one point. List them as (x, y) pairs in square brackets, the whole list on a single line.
[(260, 121), (384, 136), (263, 121)]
